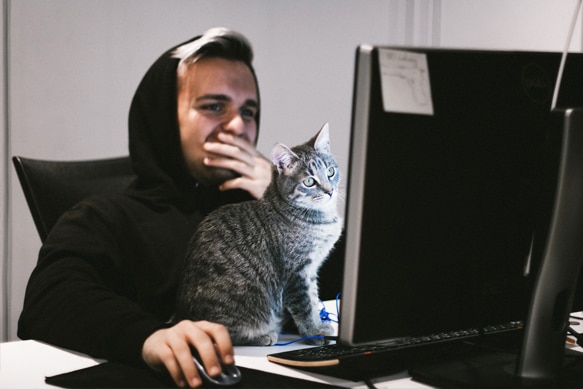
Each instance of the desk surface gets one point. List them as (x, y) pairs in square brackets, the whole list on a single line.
[(25, 364)]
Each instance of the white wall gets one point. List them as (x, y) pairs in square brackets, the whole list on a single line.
[(75, 64), (502, 24), (4, 273)]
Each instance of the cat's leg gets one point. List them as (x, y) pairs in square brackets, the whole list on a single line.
[(301, 300), (262, 340), (251, 339), (258, 331)]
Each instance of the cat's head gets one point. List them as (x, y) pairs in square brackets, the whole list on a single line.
[(307, 175)]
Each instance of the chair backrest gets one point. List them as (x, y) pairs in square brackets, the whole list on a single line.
[(52, 187)]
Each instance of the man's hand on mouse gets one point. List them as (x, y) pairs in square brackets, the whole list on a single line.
[(169, 349), (237, 154)]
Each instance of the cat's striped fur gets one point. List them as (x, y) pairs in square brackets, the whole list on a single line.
[(249, 263)]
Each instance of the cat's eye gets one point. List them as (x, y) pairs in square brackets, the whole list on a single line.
[(331, 171), (309, 182)]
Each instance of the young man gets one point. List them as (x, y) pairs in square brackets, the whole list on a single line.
[(107, 274)]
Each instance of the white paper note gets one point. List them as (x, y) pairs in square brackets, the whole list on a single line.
[(405, 82)]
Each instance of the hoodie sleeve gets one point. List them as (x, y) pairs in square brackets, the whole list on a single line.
[(106, 279)]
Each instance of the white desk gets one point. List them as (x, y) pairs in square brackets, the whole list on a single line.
[(25, 364)]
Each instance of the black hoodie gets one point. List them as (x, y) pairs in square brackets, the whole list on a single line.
[(107, 273)]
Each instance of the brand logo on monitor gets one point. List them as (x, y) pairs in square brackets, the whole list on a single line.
[(537, 84)]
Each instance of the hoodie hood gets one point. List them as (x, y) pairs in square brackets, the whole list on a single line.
[(154, 137)]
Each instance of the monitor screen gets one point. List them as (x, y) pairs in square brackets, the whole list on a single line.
[(450, 187)]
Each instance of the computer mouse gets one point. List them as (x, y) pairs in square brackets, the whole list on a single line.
[(230, 374)]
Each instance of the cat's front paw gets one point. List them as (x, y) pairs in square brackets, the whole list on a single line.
[(317, 341), (266, 340), (326, 329)]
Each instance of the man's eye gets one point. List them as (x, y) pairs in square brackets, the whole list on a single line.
[(248, 113), (212, 107)]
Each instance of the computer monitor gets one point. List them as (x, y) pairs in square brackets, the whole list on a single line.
[(452, 203), (543, 347)]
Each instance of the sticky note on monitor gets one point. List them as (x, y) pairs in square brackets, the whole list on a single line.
[(405, 82)]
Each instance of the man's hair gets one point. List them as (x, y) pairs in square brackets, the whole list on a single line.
[(216, 42)]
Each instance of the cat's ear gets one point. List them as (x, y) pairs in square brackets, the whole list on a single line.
[(283, 158), (322, 140)]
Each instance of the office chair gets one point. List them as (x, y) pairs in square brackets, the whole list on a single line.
[(52, 187)]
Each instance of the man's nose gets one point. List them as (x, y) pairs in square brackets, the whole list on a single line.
[(234, 124)]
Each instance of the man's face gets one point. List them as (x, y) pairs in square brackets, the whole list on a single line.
[(216, 95)]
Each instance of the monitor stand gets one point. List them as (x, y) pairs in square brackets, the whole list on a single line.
[(492, 369)]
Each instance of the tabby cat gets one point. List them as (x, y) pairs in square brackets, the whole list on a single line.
[(250, 264)]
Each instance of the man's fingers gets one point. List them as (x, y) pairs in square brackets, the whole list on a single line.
[(242, 168), (168, 360), (226, 151), (170, 349), (185, 365), (222, 341), (241, 143)]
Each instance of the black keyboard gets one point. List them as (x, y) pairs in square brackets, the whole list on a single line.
[(395, 355)]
